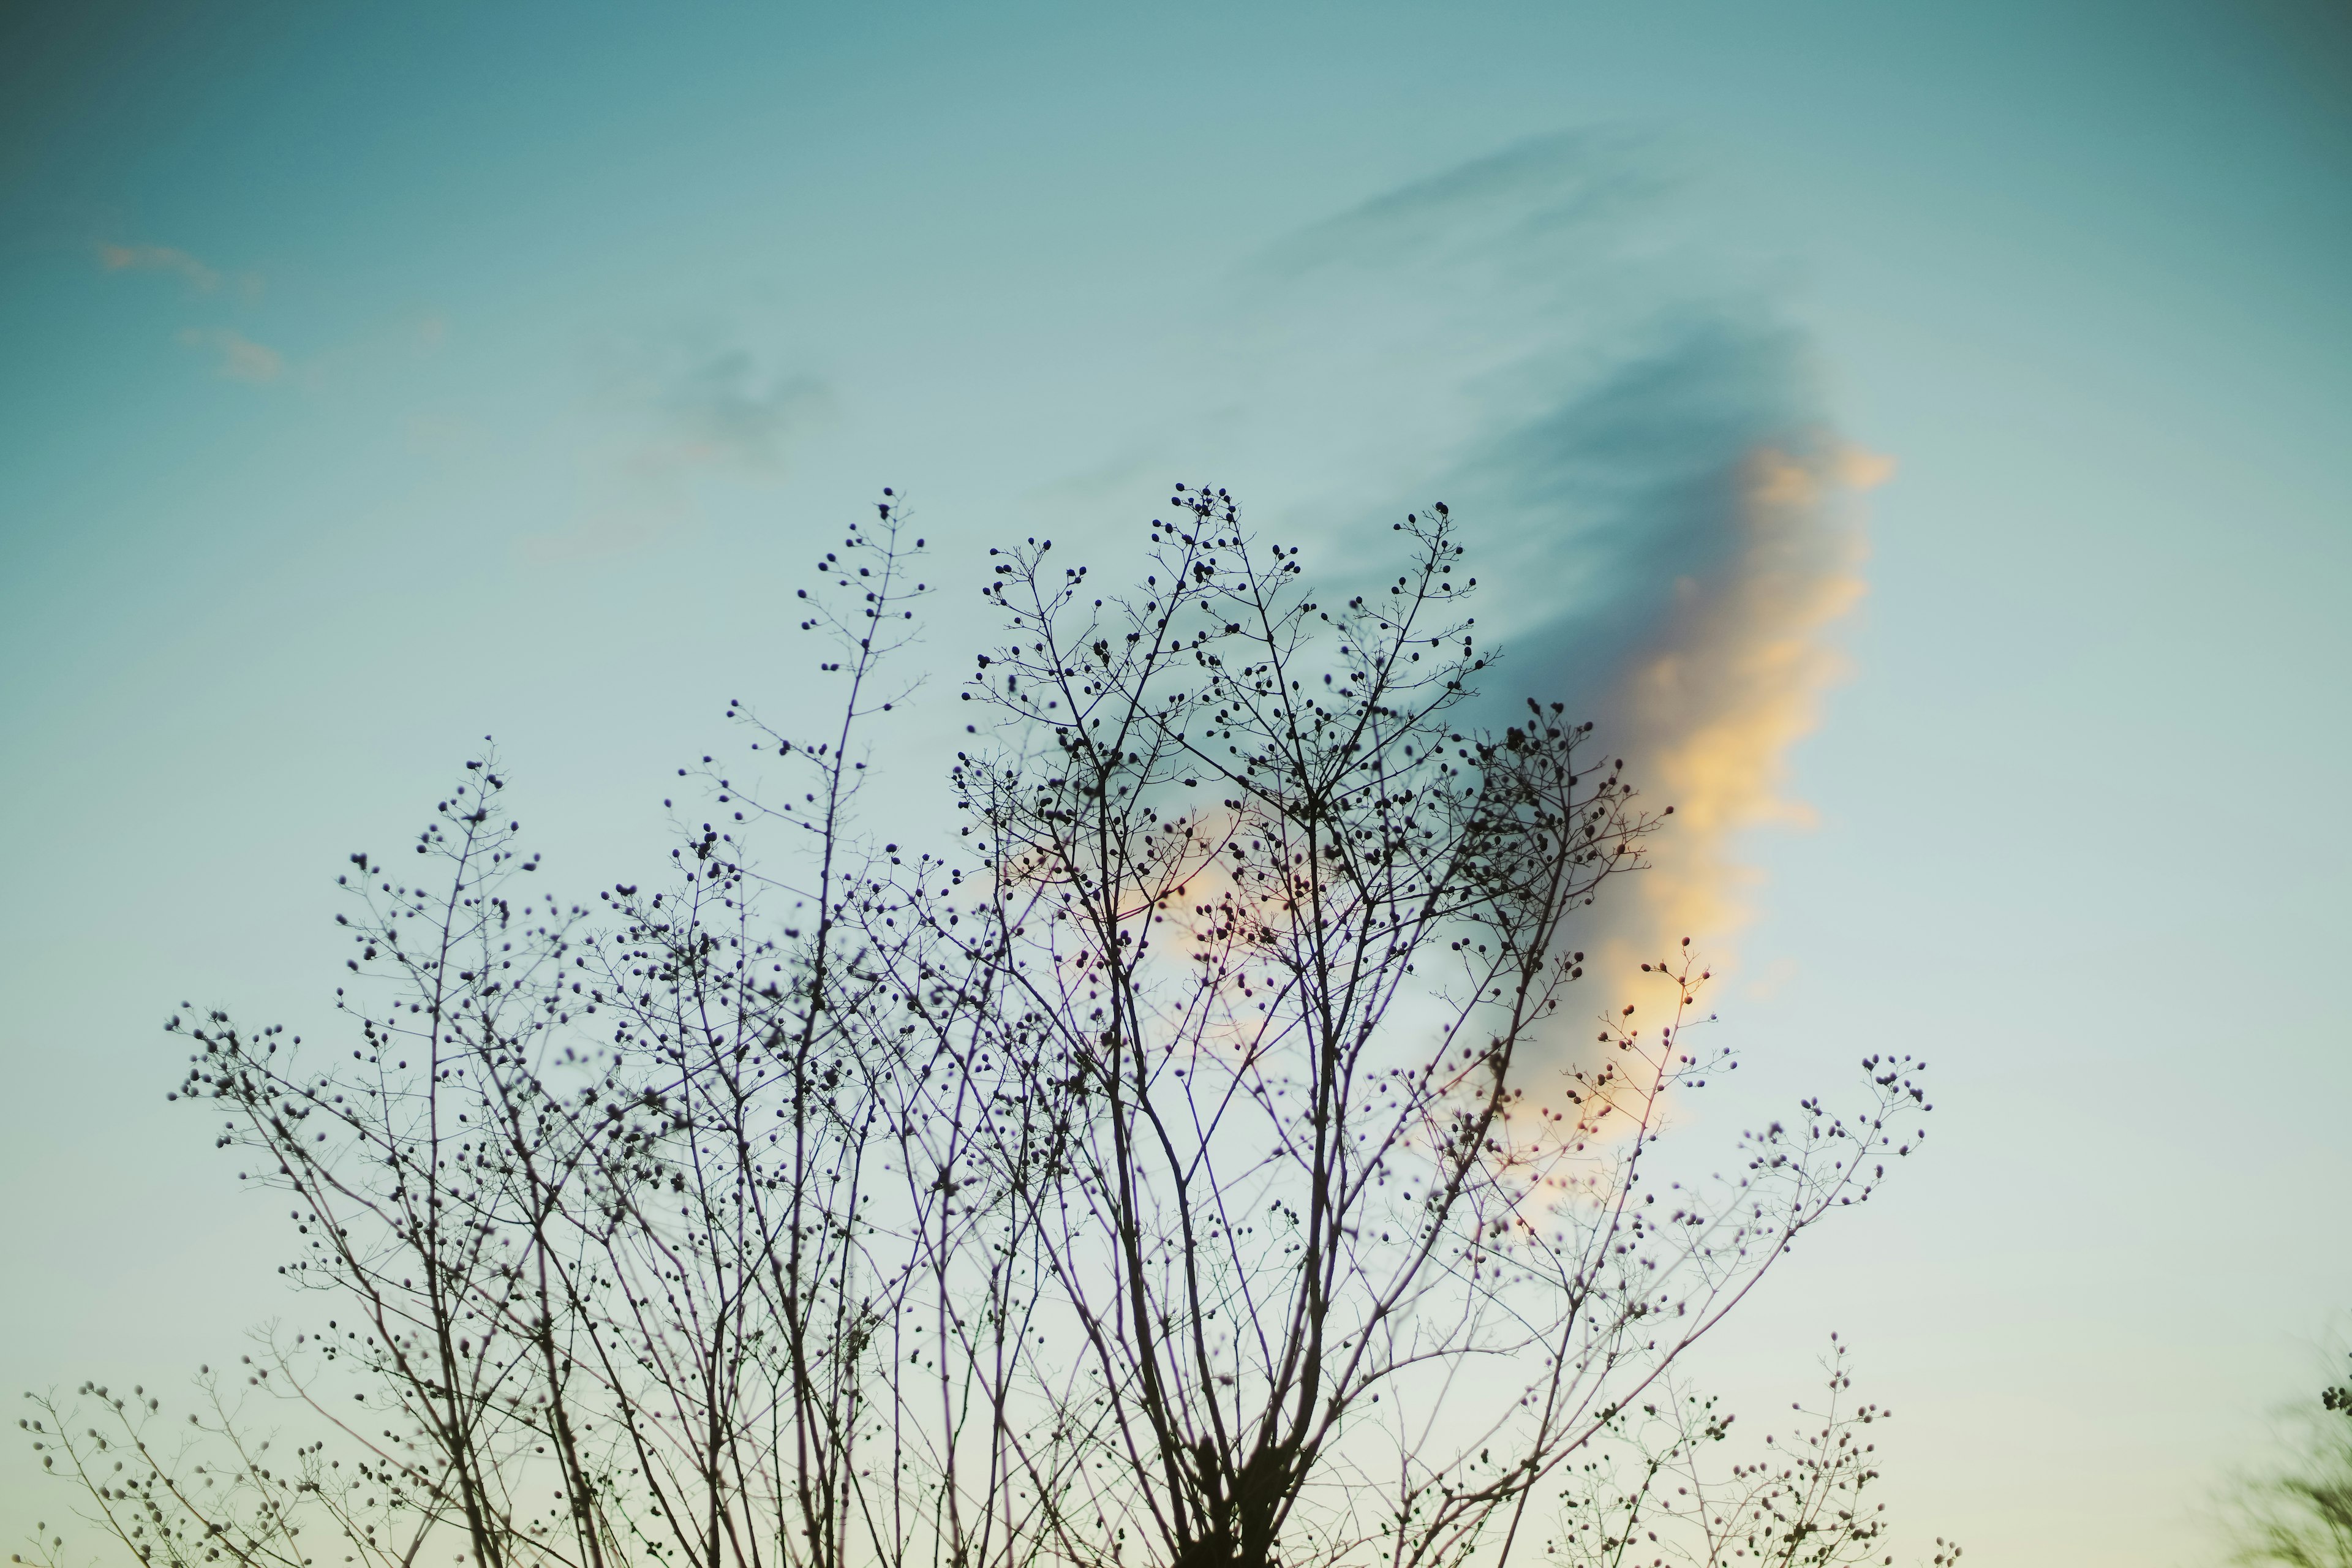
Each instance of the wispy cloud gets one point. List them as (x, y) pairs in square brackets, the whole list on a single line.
[(1679, 532), (720, 408), (1668, 526), (1673, 527), (200, 276), (677, 413), (239, 357), (158, 258)]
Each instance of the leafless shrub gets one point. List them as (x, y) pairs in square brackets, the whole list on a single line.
[(1658, 1493)]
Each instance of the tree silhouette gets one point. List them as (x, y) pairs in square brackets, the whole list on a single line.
[(1190, 1161), (1652, 1495)]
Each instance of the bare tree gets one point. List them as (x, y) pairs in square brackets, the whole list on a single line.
[(1191, 1162), (1351, 1260), (1650, 1496)]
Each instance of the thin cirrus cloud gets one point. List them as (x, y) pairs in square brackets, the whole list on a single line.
[(158, 258), (720, 409), (683, 415), (236, 356), (199, 274)]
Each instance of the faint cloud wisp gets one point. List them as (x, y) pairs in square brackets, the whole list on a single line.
[(200, 275), (720, 410), (680, 416), (158, 258), (241, 359)]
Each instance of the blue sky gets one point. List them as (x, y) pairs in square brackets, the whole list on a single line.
[(377, 380)]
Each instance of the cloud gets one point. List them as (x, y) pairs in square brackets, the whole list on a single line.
[(1672, 525), (720, 409), (1706, 696), (200, 277), (1676, 531), (158, 258), (1492, 216), (676, 413), (1668, 526), (241, 359)]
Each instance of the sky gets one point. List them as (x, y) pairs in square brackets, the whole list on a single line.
[(1915, 432)]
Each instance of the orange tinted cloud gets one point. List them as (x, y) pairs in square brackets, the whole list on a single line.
[(1733, 679)]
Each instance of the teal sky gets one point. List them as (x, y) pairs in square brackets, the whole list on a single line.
[(378, 379)]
